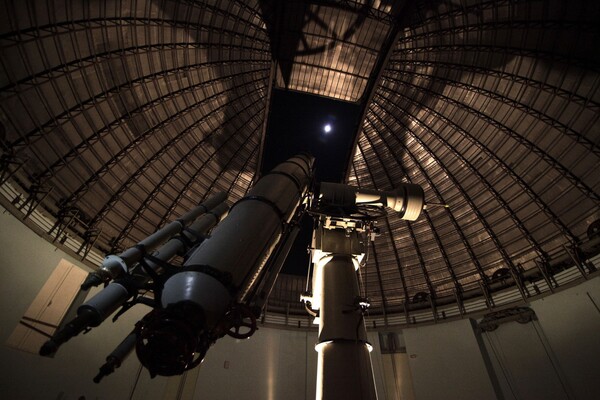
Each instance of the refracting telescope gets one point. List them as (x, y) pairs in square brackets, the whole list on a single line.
[(138, 269), (230, 268)]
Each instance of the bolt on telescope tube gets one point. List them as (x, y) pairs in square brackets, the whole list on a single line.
[(114, 266)]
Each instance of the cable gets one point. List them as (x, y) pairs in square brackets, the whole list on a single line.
[(310, 263)]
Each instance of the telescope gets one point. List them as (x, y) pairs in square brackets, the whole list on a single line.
[(230, 266)]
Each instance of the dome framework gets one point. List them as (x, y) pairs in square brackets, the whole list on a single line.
[(117, 117)]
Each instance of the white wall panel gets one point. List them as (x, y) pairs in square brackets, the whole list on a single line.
[(272, 364), (446, 362), (523, 363), (570, 322), (397, 377)]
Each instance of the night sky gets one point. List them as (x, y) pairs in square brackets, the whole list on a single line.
[(297, 124)]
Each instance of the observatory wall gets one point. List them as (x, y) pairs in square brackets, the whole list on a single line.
[(553, 357)]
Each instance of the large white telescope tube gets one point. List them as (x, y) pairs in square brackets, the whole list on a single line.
[(221, 271)]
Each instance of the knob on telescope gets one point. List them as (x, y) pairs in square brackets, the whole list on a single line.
[(240, 322)]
